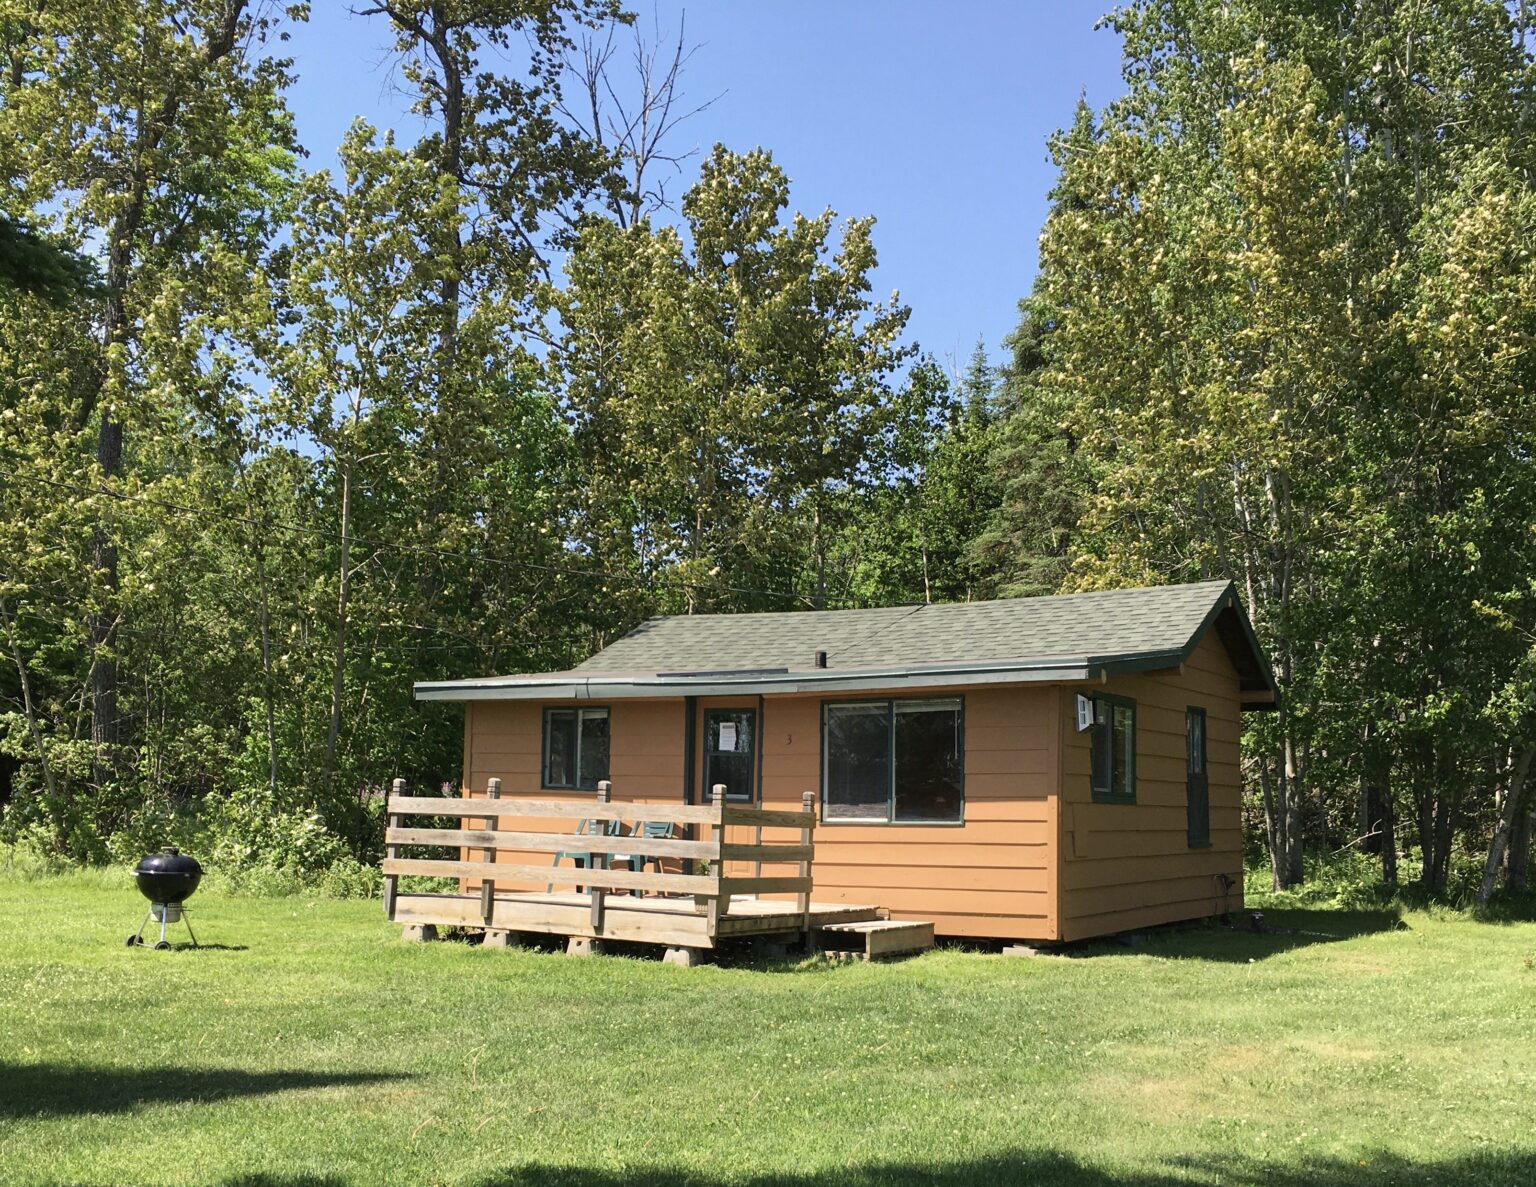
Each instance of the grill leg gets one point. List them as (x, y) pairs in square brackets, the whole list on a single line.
[(187, 920), (163, 913)]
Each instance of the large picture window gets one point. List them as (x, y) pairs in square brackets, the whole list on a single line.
[(575, 748), (1114, 749), (893, 761)]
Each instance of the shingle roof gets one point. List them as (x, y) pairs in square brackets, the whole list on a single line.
[(1066, 637), (1114, 623)]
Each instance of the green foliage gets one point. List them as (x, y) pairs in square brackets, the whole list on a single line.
[(725, 385), (1283, 321), (31, 263), (295, 455)]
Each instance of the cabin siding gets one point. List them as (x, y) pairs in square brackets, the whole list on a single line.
[(1034, 858), (505, 740), (1130, 865), (991, 874)]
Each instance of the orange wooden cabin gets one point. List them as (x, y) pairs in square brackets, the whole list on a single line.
[(1045, 769)]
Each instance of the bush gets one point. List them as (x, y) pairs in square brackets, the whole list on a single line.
[(29, 856), (1352, 881), (257, 847)]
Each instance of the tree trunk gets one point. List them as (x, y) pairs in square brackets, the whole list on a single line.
[(156, 122), (1519, 859), (28, 706), (1511, 808), (339, 658), (1388, 834), (1272, 826), (109, 456), (1290, 790), (99, 627), (268, 683), (819, 550)]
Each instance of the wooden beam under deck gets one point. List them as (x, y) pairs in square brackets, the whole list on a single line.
[(672, 922)]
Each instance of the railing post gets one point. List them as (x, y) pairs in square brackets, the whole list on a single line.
[(391, 881), (599, 861), (488, 885), (720, 904), (803, 900)]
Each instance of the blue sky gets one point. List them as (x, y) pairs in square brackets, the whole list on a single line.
[(931, 116)]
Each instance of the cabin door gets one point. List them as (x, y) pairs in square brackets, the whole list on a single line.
[(730, 754), (728, 745), (1197, 780)]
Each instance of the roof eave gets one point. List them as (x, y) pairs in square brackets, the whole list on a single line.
[(862, 680)]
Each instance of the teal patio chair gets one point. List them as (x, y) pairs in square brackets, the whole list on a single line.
[(582, 858), (653, 830)]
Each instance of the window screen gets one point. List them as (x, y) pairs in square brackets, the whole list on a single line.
[(1114, 749), (575, 748), (901, 761)]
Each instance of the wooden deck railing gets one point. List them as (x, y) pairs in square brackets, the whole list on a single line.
[(711, 890)]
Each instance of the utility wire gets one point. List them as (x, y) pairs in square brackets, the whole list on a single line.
[(417, 549)]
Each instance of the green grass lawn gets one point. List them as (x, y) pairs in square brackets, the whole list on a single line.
[(309, 1045)]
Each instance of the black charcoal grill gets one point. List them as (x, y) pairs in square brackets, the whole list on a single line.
[(167, 879)]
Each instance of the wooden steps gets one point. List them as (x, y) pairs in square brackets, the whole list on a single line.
[(881, 937)]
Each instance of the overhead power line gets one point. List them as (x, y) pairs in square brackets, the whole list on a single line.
[(650, 582)]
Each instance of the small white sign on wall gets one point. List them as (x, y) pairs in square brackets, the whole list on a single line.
[(1084, 713)]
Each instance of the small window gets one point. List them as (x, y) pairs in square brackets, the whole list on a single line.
[(1197, 782), (575, 748), (730, 748), (1114, 749), (894, 761)]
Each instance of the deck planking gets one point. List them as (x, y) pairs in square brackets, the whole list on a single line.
[(675, 922)]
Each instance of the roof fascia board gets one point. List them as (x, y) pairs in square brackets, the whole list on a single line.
[(1230, 599), (597, 689)]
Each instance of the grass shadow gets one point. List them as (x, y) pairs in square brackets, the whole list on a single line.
[(1242, 939), (300, 1180), (63, 1090), (1515, 1168)]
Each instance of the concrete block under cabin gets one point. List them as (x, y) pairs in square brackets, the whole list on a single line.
[(1033, 770)]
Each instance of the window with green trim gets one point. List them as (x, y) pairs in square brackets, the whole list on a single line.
[(575, 748), (1114, 749), (1197, 779)]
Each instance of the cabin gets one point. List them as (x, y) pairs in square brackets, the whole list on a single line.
[(1040, 769)]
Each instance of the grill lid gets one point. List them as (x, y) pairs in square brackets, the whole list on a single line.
[(169, 876)]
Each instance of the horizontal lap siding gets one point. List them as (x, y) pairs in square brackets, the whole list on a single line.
[(1130, 865), (991, 875), (505, 739)]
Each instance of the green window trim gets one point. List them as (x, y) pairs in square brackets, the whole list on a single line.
[(1112, 749), (574, 754), (1197, 777)]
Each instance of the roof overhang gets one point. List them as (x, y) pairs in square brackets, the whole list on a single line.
[(1256, 683), (553, 686)]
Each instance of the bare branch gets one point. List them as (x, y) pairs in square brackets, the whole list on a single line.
[(636, 128)]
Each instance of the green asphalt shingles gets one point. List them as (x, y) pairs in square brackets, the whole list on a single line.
[(1067, 626)]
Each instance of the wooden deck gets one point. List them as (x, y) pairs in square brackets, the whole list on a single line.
[(499, 870), (674, 922)]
